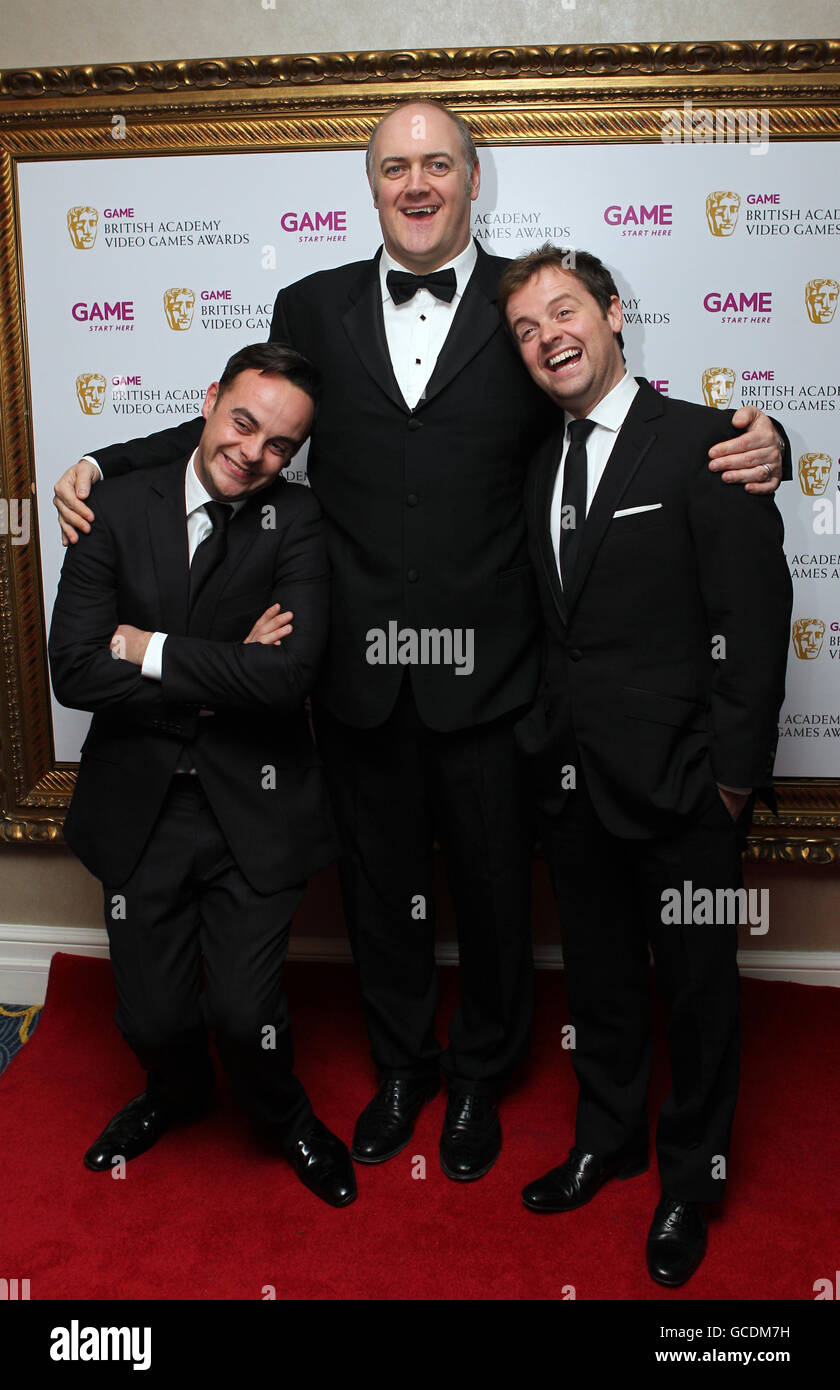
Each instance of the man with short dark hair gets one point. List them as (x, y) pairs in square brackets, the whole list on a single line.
[(666, 601), (199, 801), (418, 458)]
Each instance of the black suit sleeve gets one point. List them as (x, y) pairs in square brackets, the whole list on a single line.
[(84, 673), (280, 332), (231, 675), (151, 450), (787, 462), (747, 594)]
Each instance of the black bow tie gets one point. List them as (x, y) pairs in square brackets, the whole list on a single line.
[(403, 286)]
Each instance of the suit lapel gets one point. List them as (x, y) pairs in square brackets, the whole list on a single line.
[(364, 325), (546, 473), (167, 529), (476, 320), (243, 531), (635, 438)]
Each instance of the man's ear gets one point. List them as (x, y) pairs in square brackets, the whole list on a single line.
[(372, 187), (210, 399), (475, 181)]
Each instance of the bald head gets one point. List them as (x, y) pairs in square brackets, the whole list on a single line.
[(424, 174)]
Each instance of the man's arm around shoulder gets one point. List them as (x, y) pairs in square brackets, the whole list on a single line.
[(747, 594), (85, 673)]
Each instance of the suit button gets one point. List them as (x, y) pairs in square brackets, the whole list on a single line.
[(412, 499), (575, 654), (413, 576), (414, 423)]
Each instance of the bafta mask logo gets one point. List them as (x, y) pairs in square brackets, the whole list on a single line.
[(179, 306), (722, 212), (814, 473), (90, 392), (82, 224), (718, 385), (808, 634), (821, 300)]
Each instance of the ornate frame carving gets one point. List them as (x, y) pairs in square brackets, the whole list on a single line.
[(574, 93)]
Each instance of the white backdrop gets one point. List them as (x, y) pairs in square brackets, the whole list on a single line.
[(109, 360)]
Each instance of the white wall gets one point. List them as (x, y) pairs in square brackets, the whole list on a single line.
[(58, 33)]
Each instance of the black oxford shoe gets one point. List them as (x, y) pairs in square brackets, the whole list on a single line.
[(472, 1136), (132, 1131), (387, 1122), (677, 1241), (577, 1180), (323, 1164)]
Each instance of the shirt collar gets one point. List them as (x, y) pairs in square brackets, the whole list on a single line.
[(463, 265), (611, 410), (196, 494)]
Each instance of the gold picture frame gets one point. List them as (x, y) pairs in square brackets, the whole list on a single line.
[(576, 94)]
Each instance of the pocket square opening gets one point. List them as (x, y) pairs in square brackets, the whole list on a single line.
[(634, 511)]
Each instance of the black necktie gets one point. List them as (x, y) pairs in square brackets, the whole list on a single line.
[(403, 286), (573, 514), (211, 552)]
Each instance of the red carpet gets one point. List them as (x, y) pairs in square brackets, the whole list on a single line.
[(207, 1215)]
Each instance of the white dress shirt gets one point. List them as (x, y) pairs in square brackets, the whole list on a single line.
[(609, 415), (416, 330), (199, 526)]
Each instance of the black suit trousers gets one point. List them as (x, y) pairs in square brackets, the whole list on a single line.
[(610, 897), (186, 905), (395, 788)]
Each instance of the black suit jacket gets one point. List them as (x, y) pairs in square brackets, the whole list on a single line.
[(423, 507), (632, 693), (133, 567)]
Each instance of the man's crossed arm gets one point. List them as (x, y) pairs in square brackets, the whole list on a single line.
[(96, 658)]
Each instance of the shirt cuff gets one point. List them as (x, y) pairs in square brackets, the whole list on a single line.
[(153, 660), (88, 459)]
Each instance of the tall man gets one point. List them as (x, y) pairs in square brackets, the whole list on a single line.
[(418, 458), (199, 802), (667, 603)]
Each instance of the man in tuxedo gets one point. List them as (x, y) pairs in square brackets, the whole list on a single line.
[(666, 601), (199, 801), (418, 458)]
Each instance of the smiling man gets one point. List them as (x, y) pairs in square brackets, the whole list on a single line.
[(418, 458), (666, 601), (199, 802)]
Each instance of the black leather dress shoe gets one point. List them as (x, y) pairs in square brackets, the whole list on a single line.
[(132, 1131), (323, 1164), (577, 1180), (387, 1122), (676, 1243), (472, 1136)]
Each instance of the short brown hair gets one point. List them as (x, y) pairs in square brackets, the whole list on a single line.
[(592, 273), (274, 359)]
